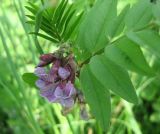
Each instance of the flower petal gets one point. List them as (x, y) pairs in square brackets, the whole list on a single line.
[(52, 98), (48, 78), (55, 67), (69, 89), (39, 71), (68, 103), (63, 73), (58, 92), (40, 84), (49, 94)]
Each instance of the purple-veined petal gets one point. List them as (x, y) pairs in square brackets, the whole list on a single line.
[(54, 68), (49, 94), (40, 84), (52, 98), (65, 91), (47, 78), (69, 89), (63, 73), (44, 85), (58, 92), (68, 103), (39, 71)]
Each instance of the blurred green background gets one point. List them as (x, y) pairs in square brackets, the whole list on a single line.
[(23, 111)]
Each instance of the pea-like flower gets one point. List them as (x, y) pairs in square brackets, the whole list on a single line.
[(56, 85), (63, 73), (65, 94), (46, 83)]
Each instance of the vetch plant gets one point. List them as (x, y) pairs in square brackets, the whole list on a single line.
[(98, 47), (58, 84)]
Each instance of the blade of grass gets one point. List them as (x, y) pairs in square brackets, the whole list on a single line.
[(19, 82)]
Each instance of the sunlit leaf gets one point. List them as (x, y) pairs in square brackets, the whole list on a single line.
[(128, 54), (148, 39), (45, 37), (113, 77), (118, 23), (54, 22), (30, 78), (73, 26), (156, 10), (93, 34), (97, 96), (139, 15)]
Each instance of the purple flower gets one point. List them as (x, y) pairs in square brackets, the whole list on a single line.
[(46, 59), (53, 90), (63, 73), (56, 85), (46, 83), (65, 93)]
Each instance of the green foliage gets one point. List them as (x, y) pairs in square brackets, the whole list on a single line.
[(139, 15), (156, 10), (30, 79), (113, 77), (97, 36), (147, 38), (128, 56), (109, 43), (106, 45), (118, 23), (94, 29), (97, 96), (57, 24)]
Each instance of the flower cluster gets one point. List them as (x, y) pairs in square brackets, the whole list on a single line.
[(56, 84)]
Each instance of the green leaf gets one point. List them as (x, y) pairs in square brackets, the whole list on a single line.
[(64, 18), (61, 12), (33, 5), (139, 15), (93, 34), (72, 27), (45, 37), (68, 19), (39, 19), (30, 22), (32, 10), (148, 39), (55, 22), (58, 10), (128, 54), (118, 23), (97, 96), (150, 91), (30, 79), (46, 27), (113, 77), (31, 17), (156, 10)]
